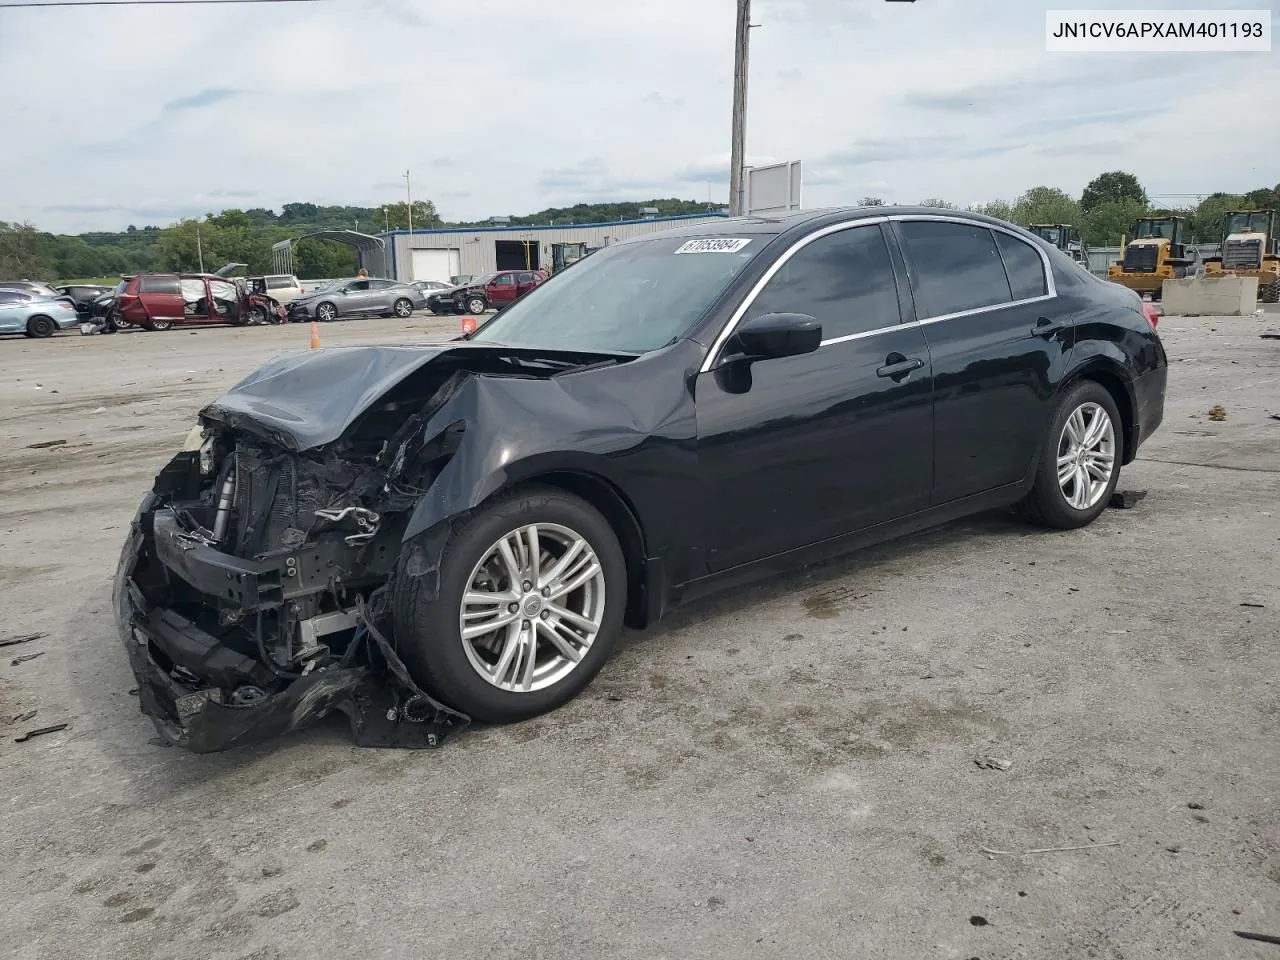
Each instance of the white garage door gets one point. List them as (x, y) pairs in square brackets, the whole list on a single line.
[(435, 265)]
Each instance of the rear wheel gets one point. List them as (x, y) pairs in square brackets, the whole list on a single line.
[(1080, 462), (158, 324), (41, 326), (530, 604), (402, 307)]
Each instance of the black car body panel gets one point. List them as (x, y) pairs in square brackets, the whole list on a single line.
[(325, 475)]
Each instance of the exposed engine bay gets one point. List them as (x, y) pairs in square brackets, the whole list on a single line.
[(255, 589)]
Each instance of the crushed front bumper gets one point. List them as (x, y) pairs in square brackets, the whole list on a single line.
[(177, 665)]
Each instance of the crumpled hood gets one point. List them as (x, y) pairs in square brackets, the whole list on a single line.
[(308, 398)]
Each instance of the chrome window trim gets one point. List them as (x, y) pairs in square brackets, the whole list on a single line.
[(722, 338)]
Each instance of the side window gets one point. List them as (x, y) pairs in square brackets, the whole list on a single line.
[(13, 296), (1023, 266), (278, 283), (504, 280), (845, 280), (154, 284), (954, 267), (357, 286), (524, 278), (192, 290)]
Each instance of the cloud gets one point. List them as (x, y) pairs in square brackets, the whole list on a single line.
[(882, 149), (1061, 124), (658, 100), (715, 169), (195, 101), (790, 76), (577, 175)]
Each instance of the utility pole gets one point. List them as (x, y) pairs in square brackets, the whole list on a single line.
[(199, 249), (386, 218), (409, 197), (737, 152)]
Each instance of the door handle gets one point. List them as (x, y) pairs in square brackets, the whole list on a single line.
[(1047, 328), (897, 366)]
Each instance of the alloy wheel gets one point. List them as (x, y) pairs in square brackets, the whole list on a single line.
[(475, 305), (403, 308), (1086, 455), (326, 311), (533, 606)]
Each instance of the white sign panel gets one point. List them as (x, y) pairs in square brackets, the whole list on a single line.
[(714, 245), (772, 190)]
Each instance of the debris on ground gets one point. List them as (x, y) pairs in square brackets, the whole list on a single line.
[(1217, 413), (993, 763), (45, 444), (1193, 805), (1126, 499), (30, 656), (1269, 336), (1274, 416), (1014, 853), (1246, 603), (27, 638), (21, 718), (40, 732), (1260, 937)]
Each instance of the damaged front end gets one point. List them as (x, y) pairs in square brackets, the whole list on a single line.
[(254, 590)]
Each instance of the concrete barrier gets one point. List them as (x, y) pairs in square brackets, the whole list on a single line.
[(1210, 296)]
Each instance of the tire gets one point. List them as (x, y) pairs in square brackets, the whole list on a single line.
[(429, 632), (326, 311), (158, 325), (1271, 292), (476, 305), (41, 326), (402, 308), (258, 314), (1048, 503)]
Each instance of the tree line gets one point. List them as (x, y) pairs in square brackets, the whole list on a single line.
[(1104, 212)]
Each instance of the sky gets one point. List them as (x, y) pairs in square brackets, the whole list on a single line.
[(143, 115)]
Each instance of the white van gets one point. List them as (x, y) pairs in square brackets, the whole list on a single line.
[(281, 286)]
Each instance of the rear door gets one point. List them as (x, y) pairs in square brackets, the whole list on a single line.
[(525, 281), (13, 311), (502, 289), (160, 296), (999, 344)]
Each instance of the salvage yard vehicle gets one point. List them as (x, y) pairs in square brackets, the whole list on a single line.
[(422, 535), (158, 301), (1250, 248), (1066, 238), (34, 315), (38, 290), (1155, 254), (494, 290), (358, 298), (83, 295), (281, 287)]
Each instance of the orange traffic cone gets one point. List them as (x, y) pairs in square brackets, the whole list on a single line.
[(315, 335), (468, 324)]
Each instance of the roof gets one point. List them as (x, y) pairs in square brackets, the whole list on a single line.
[(560, 226)]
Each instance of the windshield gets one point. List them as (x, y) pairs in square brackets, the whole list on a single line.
[(1052, 234), (630, 298), (1247, 223), (481, 280), (1148, 229)]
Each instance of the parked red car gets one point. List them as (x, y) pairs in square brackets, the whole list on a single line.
[(496, 290), (157, 301)]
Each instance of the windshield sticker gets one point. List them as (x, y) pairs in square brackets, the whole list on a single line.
[(721, 245)]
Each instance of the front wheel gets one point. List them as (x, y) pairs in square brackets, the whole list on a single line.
[(1271, 292), (1080, 463), (326, 312), (41, 327), (477, 306), (530, 604)]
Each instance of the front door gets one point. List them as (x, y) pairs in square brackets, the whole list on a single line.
[(999, 349), (357, 297), (502, 289), (801, 449)]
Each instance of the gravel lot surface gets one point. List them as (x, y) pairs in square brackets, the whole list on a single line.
[(780, 771)]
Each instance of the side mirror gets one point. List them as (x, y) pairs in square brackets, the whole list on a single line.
[(775, 335)]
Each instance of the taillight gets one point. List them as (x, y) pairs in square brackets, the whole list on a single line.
[(1151, 313)]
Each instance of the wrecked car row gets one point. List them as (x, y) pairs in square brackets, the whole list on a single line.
[(422, 536)]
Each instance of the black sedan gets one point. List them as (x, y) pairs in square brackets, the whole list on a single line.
[(421, 535)]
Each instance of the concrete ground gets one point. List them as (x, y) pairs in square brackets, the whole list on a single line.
[(781, 771)]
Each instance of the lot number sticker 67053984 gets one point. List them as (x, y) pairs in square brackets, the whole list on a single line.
[(714, 245)]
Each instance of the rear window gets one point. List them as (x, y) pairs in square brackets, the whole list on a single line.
[(279, 283), (160, 285), (1023, 265)]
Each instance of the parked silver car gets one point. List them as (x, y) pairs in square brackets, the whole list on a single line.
[(36, 316), (361, 297)]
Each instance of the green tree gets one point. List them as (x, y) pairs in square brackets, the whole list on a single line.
[(22, 254), (323, 259), (425, 217), (937, 202), (871, 202), (1106, 223), (1205, 223), (1113, 187), (1046, 205), (1264, 198), (1000, 209)]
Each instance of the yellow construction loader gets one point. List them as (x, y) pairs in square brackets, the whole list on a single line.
[(1155, 254), (1250, 248)]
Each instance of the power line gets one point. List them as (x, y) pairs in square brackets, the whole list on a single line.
[(137, 3)]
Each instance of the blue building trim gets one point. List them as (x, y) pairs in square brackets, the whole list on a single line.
[(560, 226)]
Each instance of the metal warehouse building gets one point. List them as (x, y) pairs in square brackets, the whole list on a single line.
[(441, 254)]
